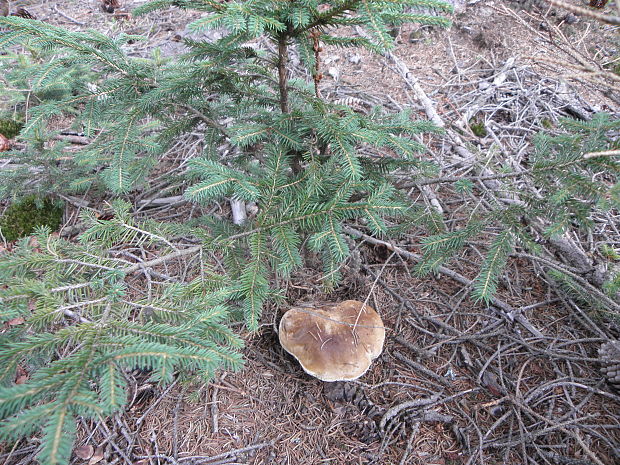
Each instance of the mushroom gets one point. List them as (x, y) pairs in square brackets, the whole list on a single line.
[(334, 342), (5, 144)]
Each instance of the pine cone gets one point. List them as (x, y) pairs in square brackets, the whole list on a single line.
[(598, 3), (609, 354), (23, 13), (348, 392), (110, 5)]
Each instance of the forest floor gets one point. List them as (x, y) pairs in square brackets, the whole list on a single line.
[(513, 390)]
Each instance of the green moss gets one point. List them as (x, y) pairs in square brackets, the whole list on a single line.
[(9, 128), (609, 252), (546, 123), (477, 127), (22, 217)]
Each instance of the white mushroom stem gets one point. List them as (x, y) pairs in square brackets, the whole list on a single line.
[(239, 213)]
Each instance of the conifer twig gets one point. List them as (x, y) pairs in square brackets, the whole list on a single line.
[(514, 174), (604, 153), (66, 16), (159, 260), (199, 459), (609, 19), (576, 277), (282, 70), (510, 312), (161, 397), (209, 121)]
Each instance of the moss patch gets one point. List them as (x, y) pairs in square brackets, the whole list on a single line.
[(22, 217), (546, 123), (9, 128), (477, 127)]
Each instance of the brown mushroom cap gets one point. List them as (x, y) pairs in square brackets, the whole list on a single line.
[(335, 342)]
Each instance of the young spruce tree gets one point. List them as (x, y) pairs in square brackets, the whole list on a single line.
[(75, 322), (564, 168)]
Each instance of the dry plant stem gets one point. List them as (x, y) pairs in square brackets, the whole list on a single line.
[(509, 312), (583, 68), (372, 288), (22, 451), (413, 83), (553, 424), (429, 108), (75, 316), (120, 451), (239, 213), (200, 459), (282, 71), (160, 260), (583, 318), (422, 369), (73, 139), (161, 202), (412, 436), (615, 306), (156, 403), (66, 16), (516, 174), (609, 19), (282, 85), (606, 153), (317, 61), (416, 350), (175, 423), (396, 410), (214, 409), (8, 457), (559, 459), (124, 429), (208, 121)]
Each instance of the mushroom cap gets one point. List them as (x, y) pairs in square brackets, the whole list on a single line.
[(334, 342)]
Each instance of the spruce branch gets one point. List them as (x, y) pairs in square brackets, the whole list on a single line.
[(328, 16), (509, 312), (485, 284), (302, 161), (209, 121), (101, 340)]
